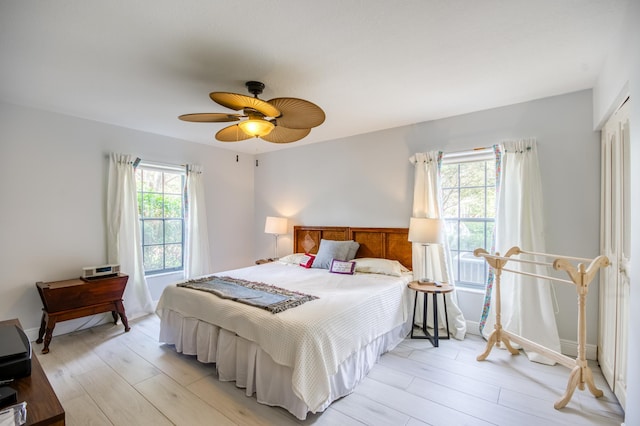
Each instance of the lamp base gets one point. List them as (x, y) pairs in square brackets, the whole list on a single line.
[(275, 256)]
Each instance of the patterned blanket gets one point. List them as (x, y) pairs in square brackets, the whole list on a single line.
[(273, 299)]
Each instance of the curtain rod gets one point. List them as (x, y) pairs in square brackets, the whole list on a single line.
[(474, 154), (481, 148), (160, 165)]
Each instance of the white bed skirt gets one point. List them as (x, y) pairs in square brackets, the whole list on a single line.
[(243, 361)]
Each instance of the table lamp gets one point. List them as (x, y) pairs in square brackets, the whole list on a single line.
[(425, 231), (276, 226)]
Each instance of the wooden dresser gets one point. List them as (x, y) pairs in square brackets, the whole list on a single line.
[(43, 406), (69, 299)]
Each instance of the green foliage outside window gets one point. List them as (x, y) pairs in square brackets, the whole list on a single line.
[(161, 211)]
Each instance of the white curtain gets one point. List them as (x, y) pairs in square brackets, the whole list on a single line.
[(124, 245), (426, 203), (197, 262), (527, 306)]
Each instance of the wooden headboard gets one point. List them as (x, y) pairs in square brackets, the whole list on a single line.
[(386, 243)]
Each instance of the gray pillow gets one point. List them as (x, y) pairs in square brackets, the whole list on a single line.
[(353, 249), (329, 250)]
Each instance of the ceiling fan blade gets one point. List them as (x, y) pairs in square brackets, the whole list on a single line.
[(285, 135), (298, 113), (209, 117), (232, 133), (238, 102)]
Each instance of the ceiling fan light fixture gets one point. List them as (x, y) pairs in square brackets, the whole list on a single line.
[(279, 120), (256, 127)]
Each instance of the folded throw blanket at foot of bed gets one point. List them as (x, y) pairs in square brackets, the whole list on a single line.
[(273, 299)]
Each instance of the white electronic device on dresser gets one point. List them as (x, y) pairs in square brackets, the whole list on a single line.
[(92, 272)]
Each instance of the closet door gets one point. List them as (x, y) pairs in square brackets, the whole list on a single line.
[(620, 388), (607, 296), (614, 280)]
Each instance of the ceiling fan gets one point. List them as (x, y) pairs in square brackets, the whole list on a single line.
[(279, 120)]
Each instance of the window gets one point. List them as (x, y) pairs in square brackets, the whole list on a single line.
[(469, 194), (161, 212)]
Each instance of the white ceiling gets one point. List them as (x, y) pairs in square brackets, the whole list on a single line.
[(370, 64)]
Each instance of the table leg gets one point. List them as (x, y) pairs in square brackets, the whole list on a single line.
[(51, 323), (413, 318), (114, 314), (424, 315), (435, 337), (123, 316), (43, 324), (446, 315), (425, 310), (435, 320), (424, 319)]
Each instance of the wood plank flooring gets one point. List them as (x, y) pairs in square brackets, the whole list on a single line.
[(104, 376)]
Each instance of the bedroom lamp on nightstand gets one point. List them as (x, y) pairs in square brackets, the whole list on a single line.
[(425, 231), (276, 226)]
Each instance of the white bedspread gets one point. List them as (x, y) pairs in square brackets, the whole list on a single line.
[(314, 338)]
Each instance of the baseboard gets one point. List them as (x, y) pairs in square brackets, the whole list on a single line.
[(570, 348), (567, 347), (473, 327)]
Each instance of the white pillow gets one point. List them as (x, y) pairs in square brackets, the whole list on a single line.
[(374, 265), (293, 259)]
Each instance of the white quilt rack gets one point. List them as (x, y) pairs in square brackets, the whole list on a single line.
[(580, 276)]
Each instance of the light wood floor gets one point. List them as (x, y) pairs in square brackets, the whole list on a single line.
[(104, 376)]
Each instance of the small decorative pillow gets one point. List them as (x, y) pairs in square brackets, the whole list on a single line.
[(308, 261), (342, 267), (373, 265), (329, 250)]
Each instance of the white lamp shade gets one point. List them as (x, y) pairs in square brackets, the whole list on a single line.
[(425, 230), (275, 225)]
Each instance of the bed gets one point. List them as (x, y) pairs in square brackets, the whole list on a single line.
[(306, 357)]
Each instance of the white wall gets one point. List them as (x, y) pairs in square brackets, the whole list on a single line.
[(621, 77), (354, 181), (367, 180), (53, 174), (612, 85)]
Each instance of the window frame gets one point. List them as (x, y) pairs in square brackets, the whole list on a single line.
[(176, 170), (476, 155)]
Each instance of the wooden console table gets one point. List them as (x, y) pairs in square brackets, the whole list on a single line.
[(69, 299), (43, 406)]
